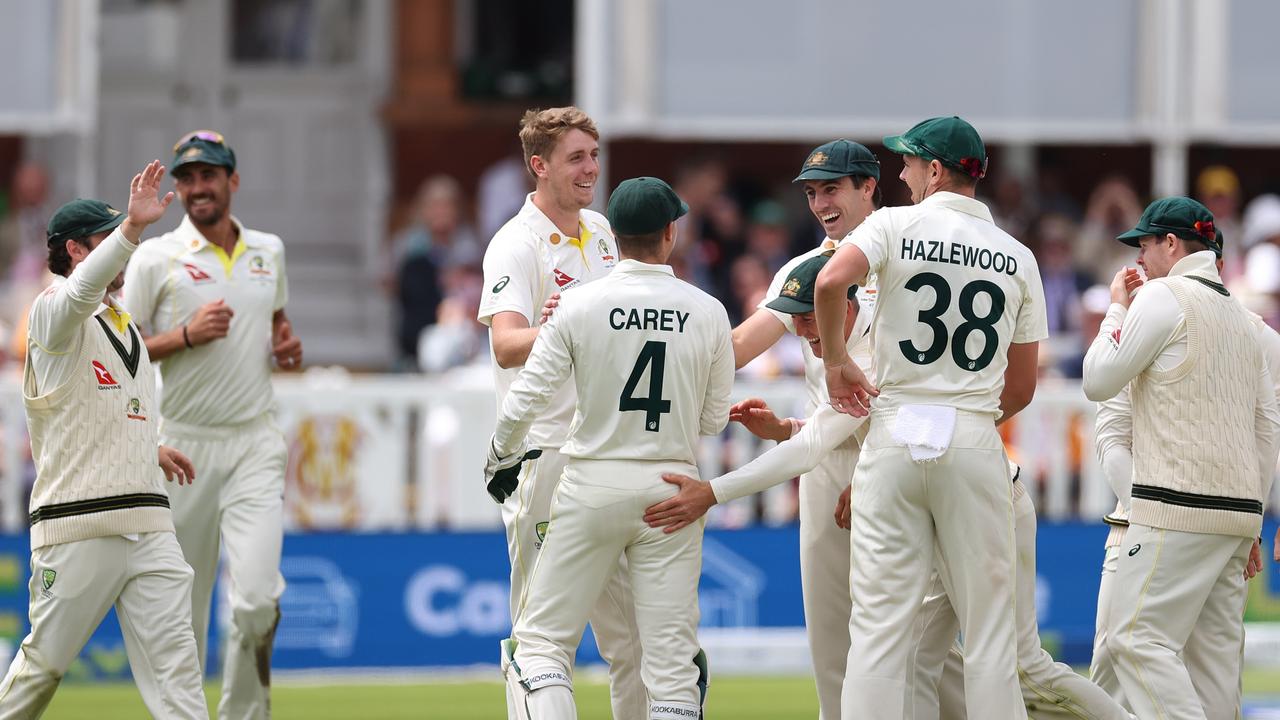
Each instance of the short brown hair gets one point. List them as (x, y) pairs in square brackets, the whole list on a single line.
[(540, 130)]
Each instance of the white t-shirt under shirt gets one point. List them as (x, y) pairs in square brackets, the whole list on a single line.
[(527, 261), (954, 291), (226, 381)]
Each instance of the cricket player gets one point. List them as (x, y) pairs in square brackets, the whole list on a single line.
[(1217, 686), (841, 181), (101, 529), (958, 303), (554, 244), (210, 297), (652, 360), (1190, 355)]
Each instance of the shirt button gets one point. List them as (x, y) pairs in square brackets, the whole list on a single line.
[(555, 238)]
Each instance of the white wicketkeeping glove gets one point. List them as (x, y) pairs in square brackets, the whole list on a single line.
[(502, 474)]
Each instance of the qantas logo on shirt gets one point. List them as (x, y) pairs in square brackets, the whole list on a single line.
[(562, 279), (197, 275), (105, 381)]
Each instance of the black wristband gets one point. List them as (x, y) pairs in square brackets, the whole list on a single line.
[(186, 339)]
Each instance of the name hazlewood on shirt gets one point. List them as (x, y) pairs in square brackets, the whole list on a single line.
[(958, 254)]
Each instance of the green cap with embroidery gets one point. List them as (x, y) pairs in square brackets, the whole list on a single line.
[(949, 140), (1182, 216), (643, 205), (81, 218), (203, 146), (796, 295), (837, 159)]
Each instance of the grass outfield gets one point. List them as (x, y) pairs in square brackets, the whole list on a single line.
[(765, 698)]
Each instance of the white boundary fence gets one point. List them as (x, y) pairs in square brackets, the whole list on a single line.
[(397, 452)]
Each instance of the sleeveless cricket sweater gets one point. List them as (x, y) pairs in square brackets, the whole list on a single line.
[(94, 442), (1194, 455)]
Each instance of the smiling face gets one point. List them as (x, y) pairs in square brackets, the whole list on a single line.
[(838, 204), (568, 174), (205, 191), (807, 327)]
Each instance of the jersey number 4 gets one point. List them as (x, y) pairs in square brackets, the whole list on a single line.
[(973, 323), (653, 356)]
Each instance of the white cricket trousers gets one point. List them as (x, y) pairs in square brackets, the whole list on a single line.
[(1049, 689), (824, 575), (1170, 587), (1102, 669), (72, 587), (613, 616), (597, 518), (236, 503), (962, 502)]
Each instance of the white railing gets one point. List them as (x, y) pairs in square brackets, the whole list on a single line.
[(396, 452)]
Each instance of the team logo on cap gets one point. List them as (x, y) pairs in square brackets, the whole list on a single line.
[(816, 159), (792, 288), (192, 152), (112, 211), (134, 410), (105, 381)]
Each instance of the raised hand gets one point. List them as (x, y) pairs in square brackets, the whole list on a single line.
[(686, 506), (146, 205), (754, 414), (1124, 285), (849, 389)]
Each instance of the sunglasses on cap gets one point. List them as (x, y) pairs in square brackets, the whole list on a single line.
[(206, 135)]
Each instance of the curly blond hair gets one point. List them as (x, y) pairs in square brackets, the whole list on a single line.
[(540, 130)]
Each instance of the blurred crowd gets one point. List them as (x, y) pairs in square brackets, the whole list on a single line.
[(736, 237)]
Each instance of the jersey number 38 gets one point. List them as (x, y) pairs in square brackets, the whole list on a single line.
[(973, 323)]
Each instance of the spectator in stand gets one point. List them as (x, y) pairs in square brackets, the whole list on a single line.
[(1052, 240), (1094, 303), (1259, 288), (1219, 189), (768, 237), (457, 338), (1011, 208), (727, 235), (425, 256), (1113, 209), (22, 235), (501, 192), (698, 182)]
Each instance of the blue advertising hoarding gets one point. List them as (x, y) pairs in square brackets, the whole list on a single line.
[(440, 599)]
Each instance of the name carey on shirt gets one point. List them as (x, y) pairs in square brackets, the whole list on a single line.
[(648, 319), (952, 253)]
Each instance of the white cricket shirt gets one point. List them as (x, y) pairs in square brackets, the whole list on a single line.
[(527, 261), (954, 291), (227, 381), (651, 357)]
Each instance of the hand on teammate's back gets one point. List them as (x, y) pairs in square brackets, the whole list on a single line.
[(176, 465), (212, 321), (549, 308), (754, 414), (692, 501), (145, 202), (849, 389)]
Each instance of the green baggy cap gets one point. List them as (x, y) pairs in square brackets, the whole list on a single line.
[(1182, 216), (203, 146), (837, 159), (949, 140), (643, 205), (796, 295), (82, 218)]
